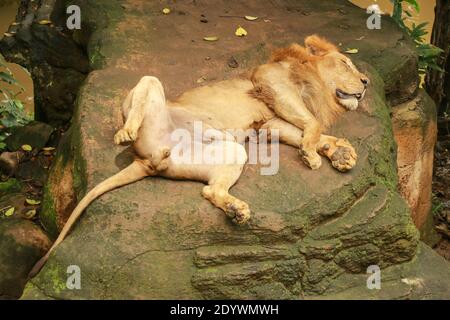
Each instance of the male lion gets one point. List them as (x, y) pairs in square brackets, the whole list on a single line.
[(300, 92)]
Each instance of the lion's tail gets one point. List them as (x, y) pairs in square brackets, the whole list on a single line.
[(134, 172)]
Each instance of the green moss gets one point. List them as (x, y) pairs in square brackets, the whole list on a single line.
[(57, 282), (48, 215), (63, 158), (10, 186)]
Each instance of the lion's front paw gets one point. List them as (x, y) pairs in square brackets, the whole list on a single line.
[(311, 158), (125, 135), (238, 211), (341, 153)]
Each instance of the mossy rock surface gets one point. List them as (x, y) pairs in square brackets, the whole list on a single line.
[(159, 238), (22, 244), (35, 134)]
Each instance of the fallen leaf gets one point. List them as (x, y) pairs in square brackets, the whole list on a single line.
[(360, 38), (232, 62), (250, 18), (44, 22), (166, 10), (7, 34), (48, 151), (9, 212), (241, 32), (30, 214), (352, 51), (211, 38), (27, 147), (32, 202)]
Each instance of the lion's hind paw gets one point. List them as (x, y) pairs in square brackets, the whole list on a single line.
[(239, 212)]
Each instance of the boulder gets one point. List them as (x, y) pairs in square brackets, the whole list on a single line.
[(63, 57), (58, 64), (414, 280), (22, 244), (36, 134), (159, 239), (415, 131), (10, 186)]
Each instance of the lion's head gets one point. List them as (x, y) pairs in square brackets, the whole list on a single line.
[(322, 62), (338, 72)]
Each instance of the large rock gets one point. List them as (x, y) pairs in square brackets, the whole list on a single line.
[(58, 64), (57, 56), (415, 132), (36, 134), (158, 238), (22, 244), (417, 279)]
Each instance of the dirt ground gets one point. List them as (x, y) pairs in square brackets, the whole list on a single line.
[(441, 190)]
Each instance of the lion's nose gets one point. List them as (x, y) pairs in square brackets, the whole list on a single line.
[(365, 81)]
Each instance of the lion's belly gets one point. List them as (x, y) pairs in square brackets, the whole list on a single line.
[(225, 105)]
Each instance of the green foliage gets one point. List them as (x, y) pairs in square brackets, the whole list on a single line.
[(428, 54), (437, 207), (12, 112)]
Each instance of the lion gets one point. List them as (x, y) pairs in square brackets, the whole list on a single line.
[(300, 92)]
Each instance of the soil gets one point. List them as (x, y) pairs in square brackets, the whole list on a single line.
[(441, 190)]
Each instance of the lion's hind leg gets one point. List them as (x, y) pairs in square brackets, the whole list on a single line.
[(221, 178), (217, 193), (136, 105)]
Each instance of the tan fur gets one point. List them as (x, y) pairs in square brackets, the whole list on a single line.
[(294, 93), (321, 103), (264, 94)]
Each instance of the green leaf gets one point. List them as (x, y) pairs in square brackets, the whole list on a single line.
[(5, 77), (212, 38), (32, 202), (428, 52), (30, 214), (9, 212), (250, 18), (414, 3), (352, 51), (18, 104), (27, 147)]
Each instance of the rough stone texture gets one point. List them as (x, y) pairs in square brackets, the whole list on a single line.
[(22, 243), (437, 82), (415, 132), (58, 64), (159, 238), (53, 54), (36, 134), (417, 279)]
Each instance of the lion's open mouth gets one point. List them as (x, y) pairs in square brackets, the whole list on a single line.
[(344, 95)]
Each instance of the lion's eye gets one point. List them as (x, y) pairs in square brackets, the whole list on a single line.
[(346, 64)]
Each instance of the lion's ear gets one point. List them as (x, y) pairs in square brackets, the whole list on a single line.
[(319, 46)]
